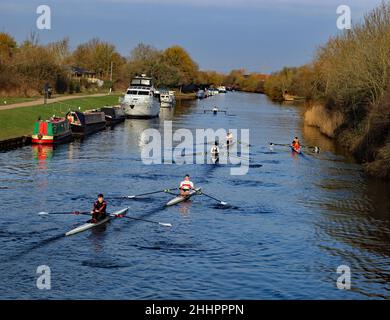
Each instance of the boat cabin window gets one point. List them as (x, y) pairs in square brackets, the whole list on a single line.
[(132, 92), (141, 82), (140, 93)]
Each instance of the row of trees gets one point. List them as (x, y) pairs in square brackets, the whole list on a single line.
[(26, 67)]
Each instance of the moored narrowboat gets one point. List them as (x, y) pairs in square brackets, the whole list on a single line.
[(85, 123), (53, 131), (113, 115)]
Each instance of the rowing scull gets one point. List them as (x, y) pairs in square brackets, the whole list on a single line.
[(299, 151), (180, 198), (90, 225)]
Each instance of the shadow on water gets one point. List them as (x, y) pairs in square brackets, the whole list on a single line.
[(37, 245)]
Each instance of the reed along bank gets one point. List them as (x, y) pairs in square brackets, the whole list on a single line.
[(347, 90)]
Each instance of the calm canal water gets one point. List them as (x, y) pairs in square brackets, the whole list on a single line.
[(291, 223)]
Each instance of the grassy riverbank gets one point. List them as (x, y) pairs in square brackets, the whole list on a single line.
[(12, 100), (20, 121)]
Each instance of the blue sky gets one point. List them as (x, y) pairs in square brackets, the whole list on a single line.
[(259, 35)]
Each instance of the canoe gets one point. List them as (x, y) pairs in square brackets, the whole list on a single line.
[(179, 199), (89, 225)]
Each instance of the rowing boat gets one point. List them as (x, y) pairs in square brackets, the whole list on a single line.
[(180, 198), (215, 159), (230, 143), (90, 225), (299, 151)]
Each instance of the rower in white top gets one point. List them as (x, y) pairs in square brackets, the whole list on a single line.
[(229, 139), (186, 186), (215, 152)]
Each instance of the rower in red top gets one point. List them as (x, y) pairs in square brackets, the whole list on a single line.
[(296, 145), (186, 186), (99, 209)]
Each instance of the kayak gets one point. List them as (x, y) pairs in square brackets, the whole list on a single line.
[(299, 151), (179, 199), (90, 225)]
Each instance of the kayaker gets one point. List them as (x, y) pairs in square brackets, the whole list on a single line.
[(229, 139), (186, 186), (99, 209)]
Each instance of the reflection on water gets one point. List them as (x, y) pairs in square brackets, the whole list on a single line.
[(291, 222), (42, 153)]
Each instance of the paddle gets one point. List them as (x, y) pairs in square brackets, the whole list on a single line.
[(148, 193), (211, 197), (73, 212), (145, 220)]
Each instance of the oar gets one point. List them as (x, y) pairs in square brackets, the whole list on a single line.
[(73, 212), (240, 142), (239, 157), (192, 154), (316, 148), (211, 197), (145, 220), (279, 144), (148, 193)]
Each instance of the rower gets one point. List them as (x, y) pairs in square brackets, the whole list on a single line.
[(215, 151), (186, 186), (99, 209), (295, 144), (229, 139), (215, 110)]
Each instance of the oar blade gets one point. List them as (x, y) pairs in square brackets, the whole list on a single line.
[(165, 224)]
